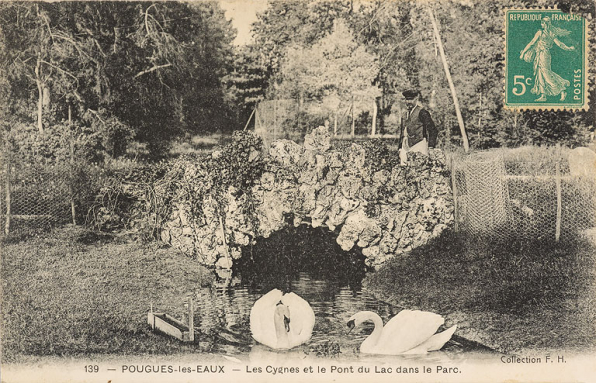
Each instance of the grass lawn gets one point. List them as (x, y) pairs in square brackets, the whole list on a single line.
[(199, 144), (512, 297), (70, 292)]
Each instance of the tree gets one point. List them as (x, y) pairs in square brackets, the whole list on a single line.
[(31, 57), (293, 23), (247, 82), (335, 71), (207, 105), (154, 70), (476, 55), (385, 29)]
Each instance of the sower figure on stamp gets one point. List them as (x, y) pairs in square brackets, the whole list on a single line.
[(546, 82), (418, 131)]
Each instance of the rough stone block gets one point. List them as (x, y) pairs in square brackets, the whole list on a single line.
[(319, 139), (268, 180), (165, 236), (224, 263), (349, 186)]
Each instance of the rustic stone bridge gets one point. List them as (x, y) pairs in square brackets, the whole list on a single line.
[(384, 212)]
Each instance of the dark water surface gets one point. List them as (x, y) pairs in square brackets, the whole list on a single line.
[(222, 318), (308, 262)]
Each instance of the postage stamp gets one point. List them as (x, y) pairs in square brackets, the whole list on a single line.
[(545, 60)]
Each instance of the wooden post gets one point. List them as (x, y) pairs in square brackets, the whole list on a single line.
[(8, 202), (460, 119), (454, 187), (335, 123), (191, 320), (373, 130), (247, 122), (353, 125), (39, 94), (72, 164), (274, 120), (559, 203)]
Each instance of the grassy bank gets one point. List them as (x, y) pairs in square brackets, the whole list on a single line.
[(70, 292), (512, 297)]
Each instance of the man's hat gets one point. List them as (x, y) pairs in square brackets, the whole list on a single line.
[(410, 94)]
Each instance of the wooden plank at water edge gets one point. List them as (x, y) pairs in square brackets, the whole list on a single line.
[(168, 325)]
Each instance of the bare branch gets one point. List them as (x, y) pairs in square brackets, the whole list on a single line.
[(400, 46), (96, 114), (373, 18), (77, 95), (157, 67), (45, 18), (60, 69), (90, 33), (147, 17), (76, 46)]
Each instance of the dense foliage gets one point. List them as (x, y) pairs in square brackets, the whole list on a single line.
[(399, 35), (195, 179), (151, 71), (333, 72), (122, 69)]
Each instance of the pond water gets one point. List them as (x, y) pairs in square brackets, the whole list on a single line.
[(330, 280), (222, 318)]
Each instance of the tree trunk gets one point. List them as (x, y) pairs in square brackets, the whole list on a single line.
[(335, 123), (39, 94), (73, 211), (353, 125), (383, 106), (46, 96), (373, 131), (460, 119), (8, 197)]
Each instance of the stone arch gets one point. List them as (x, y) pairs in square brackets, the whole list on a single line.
[(383, 210)]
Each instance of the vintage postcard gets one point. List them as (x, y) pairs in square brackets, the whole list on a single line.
[(297, 190)]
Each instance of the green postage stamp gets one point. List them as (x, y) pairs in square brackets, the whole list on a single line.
[(545, 60)]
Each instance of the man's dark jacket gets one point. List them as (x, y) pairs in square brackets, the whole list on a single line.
[(420, 125)]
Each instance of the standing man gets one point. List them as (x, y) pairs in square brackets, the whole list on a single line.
[(418, 131)]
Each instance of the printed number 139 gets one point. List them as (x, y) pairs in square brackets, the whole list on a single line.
[(92, 368), (519, 80)]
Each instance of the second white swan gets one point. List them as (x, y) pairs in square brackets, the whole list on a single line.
[(409, 332)]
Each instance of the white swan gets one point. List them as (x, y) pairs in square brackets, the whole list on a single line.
[(409, 332), (281, 321)]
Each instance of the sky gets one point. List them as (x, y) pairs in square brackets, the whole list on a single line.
[(243, 13)]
